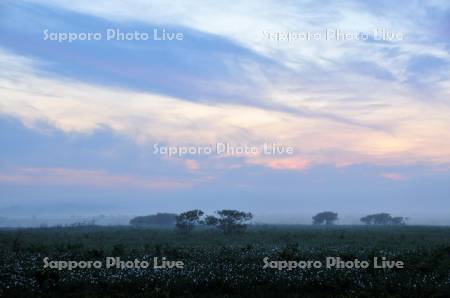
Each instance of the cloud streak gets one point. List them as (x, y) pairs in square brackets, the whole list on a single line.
[(90, 178), (393, 176), (418, 132)]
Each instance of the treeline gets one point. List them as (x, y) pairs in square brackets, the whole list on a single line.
[(158, 219), (230, 221), (329, 218), (227, 221), (383, 219)]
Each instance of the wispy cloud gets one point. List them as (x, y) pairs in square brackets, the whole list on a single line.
[(417, 131), (356, 112), (245, 24), (337, 102), (192, 165), (281, 163), (393, 176), (90, 178)]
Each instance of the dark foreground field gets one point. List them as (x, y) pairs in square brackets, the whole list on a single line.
[(226, 266)]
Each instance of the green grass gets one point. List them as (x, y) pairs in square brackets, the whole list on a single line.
[(227, 265)]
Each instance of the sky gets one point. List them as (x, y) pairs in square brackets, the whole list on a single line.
[(353, 95)]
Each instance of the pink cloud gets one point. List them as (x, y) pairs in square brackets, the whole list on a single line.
[(94, 178), (192, 165), (282, 164), (393, 176)]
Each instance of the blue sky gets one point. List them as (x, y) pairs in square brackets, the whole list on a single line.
[(369, 120)]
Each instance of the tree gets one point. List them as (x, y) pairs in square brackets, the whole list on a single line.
[(158, 219), (211, 220), (382, 219), (367, 220), (186, 221), (398, 220), (230, 221), (326, 217)]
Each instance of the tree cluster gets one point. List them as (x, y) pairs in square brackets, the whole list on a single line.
[(383, 219), (326, 217), (232, 221), (227, 221)]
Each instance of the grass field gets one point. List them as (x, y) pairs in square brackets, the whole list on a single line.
[(227, 265)]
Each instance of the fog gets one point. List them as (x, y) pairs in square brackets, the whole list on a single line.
[(262, 218)]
